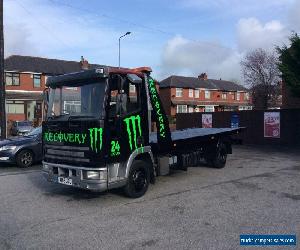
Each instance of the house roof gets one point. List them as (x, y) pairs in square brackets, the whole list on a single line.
[(42, 65), (194, 82)]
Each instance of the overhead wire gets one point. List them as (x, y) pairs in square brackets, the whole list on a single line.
[(121, 20)]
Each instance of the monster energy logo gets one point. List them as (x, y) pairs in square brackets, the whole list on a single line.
[(134, 129), (156, 105), (96, 138)]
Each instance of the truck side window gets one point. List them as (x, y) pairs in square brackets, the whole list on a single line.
[(133, 97)]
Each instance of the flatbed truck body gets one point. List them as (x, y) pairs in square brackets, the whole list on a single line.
[(97, 133)]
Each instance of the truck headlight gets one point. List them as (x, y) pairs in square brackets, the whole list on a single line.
[(8, 148), (95, 175)]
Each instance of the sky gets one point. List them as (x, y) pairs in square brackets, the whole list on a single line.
[(173, 37)]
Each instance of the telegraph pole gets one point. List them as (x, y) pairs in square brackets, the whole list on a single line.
[(2, 84)]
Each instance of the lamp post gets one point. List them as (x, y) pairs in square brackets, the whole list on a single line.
[(127, 33)]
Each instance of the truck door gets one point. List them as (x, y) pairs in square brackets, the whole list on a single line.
[(127, 120)]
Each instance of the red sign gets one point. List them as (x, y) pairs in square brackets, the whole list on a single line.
[(272, 124), (206, 120)]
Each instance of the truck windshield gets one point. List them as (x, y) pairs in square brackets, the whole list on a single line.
[(84, 101)]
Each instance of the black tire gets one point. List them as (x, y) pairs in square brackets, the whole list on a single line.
[(219, 161), (138, 179), (24, 158)]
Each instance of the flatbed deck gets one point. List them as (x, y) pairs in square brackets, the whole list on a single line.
[(195, 133)]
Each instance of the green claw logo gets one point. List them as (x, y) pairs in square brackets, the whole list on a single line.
[(134, 123), (96, 138)]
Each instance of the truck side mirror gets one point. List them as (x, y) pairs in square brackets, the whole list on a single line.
[(121, 104)]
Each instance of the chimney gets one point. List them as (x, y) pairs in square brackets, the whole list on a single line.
[(84, 64), (202, 76)]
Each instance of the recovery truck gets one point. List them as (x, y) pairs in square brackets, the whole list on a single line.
[(97, 133)]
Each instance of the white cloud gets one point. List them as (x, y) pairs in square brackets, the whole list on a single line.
[(253, 34), (294, 16), (184, 57)]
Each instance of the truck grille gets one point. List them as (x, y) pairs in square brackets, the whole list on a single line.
[(66, 153)]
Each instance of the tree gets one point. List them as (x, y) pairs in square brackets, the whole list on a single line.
[(289, 64), (261, 74)]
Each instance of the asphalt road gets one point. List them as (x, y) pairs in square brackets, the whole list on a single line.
[(258, 192)]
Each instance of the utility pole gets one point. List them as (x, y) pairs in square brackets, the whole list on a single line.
[(2, 84)]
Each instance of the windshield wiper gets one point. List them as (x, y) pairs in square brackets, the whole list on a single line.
[(74, 117)]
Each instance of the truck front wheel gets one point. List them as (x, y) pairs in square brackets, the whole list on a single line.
[(138, 179)]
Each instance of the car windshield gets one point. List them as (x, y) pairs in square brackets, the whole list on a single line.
[(77, 101), (23, 124), (35, 131)]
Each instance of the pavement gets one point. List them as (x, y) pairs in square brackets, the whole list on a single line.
[(258, 192)]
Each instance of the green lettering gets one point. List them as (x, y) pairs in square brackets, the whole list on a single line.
[(50, 136), (55, 137), (71, 137), (83, 136), (46, 136), (76, 138)]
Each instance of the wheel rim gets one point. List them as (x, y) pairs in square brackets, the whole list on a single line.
[(26, 159), (139, 180)]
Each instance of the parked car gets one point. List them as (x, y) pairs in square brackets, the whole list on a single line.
[(22, 150), (21, 127)]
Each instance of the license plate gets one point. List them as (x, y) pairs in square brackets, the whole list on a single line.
[(66, 181)]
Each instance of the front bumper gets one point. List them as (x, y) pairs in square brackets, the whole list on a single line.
[(52, 172), (7, 157)]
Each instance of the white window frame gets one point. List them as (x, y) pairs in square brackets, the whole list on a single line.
[(181, 109), (246, 96), (209, 108), (197, 93), (178, 92), (72, 103), (224, 96), (191, 109), (191, 93), (132, 88), (238, 96), (207, 94)]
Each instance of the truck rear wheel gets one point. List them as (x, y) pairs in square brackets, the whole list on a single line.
[(138, 179), (220, 158)]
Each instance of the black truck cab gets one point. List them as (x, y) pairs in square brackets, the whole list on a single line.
[(97, 132)]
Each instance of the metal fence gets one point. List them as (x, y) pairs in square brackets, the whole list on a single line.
[(254, 121)]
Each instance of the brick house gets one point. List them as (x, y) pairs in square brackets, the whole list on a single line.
[(182, 94), (25, 78)]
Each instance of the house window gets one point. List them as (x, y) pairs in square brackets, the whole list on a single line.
[(207, 94), (178, 92), (238, 96), (15, 107), (181, 109), (191, 93), (209, 108), (224, 96), (12, 79), (246, 96), (197, 92), (36, 81), (72, 106), (132, 88), (191, 109)]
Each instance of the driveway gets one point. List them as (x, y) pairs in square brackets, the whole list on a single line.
[(258, 192)]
